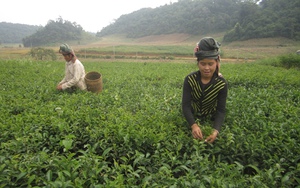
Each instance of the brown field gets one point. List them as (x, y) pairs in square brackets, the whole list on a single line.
[(234, 51)]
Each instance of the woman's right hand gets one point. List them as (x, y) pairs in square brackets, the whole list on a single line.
[(59, 87), (196, 131)]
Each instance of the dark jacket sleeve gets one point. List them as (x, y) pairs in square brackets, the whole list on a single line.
[(221, 108), (186, 103)]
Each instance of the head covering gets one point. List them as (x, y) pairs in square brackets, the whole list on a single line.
[(207, 48), (66, 49)]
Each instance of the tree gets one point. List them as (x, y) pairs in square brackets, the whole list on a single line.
[(43, 54), (53, 32)]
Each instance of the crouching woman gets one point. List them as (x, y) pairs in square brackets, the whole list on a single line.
[(205, 91), (74, 71)]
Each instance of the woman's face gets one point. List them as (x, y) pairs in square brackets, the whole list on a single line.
[(68, 57), (207, 67)]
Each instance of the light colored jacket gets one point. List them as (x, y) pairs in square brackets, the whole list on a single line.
[(74, 75)]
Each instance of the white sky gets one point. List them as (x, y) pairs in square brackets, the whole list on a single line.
[(92, 15)]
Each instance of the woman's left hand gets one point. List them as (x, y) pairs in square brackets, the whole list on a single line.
[(211, 138)]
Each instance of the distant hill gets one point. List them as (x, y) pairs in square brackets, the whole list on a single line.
[(14, 33), (186, 16), (58, 31), (55, 31), (239, 19)]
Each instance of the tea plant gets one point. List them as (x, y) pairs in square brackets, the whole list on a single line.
[(133, 134)]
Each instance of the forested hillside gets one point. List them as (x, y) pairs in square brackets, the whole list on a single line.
[(271, 18), (55, 31), (240, 19), (14, 33), (186, 16)]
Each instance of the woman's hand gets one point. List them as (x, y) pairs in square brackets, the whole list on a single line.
[(196, 131), (211, 138), (59, 87)]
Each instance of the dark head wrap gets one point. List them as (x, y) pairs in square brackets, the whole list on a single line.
[(207, 48), (66, 49)]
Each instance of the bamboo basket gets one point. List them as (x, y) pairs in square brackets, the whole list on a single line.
[(93, 82)]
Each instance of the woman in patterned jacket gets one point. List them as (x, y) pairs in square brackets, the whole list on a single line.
[(205, 91)]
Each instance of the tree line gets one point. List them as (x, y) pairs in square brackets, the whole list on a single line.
[(55, 31), (239, 19), (270, 18)]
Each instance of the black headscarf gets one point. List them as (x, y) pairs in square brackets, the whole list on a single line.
[(207, 48)]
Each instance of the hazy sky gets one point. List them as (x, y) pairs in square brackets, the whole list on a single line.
[(92, 15)]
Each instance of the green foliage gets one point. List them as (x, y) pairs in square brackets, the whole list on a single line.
[(234, 34), (290, 61), (54, 32), (206, 127), (43, 54), (286, 61), (269, 18), (133, 134), (241, 20), (192, 17)]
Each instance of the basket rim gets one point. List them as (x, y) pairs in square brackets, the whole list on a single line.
[(93, 73)]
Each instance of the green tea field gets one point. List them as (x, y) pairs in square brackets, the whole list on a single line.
[(133, 133)]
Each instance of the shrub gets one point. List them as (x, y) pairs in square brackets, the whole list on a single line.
[(290, 61), (43, 54)]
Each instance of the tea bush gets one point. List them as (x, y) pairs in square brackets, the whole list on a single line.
[(287, 61), (133, 134), (290, 60)]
